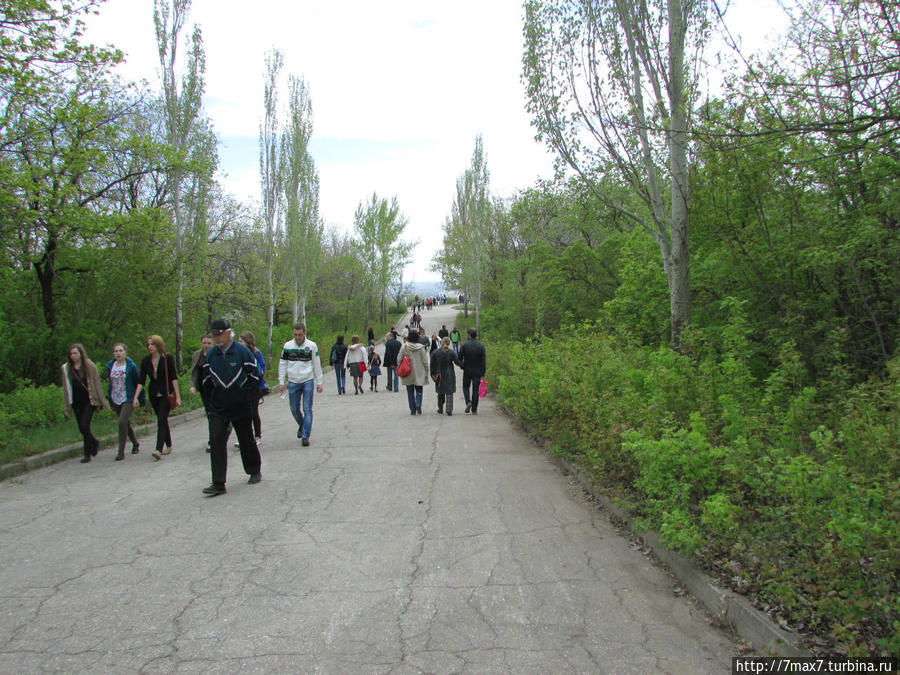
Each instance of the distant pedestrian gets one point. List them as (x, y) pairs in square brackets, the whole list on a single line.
[(374, 368), (418, 376), (370, 335), (443, 332), (198, 361), (82, 395), (454, 339), (299, 373), (248, 339), (336, 361), (159, 368), (435, 343), (391, 349), (355, 361), (123, 382), (231, 379), (474, 362)]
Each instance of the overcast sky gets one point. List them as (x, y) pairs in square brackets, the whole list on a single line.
[(399, 91)]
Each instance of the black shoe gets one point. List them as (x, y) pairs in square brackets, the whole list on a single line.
[(440, 411), (304, 442), (419, 410), (468, 407), (300, 432), (412, 412), (85, 459), (214, 489), (120, 455), (96, 447), (255, 478), (136, 448), (474, 411), (449, 414)]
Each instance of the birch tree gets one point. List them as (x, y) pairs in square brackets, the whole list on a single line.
[(183, 107), (300, 182), (611, 89), (269, 181)]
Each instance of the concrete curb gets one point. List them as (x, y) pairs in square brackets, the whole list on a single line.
[(752, 625), (49, 457)]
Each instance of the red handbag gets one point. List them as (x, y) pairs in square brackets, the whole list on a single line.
[(405, 367), (362, 367)]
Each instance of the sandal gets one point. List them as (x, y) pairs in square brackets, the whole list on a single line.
[(167, 451), (156, 455)]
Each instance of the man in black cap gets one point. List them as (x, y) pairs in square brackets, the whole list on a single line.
[(229, 377)]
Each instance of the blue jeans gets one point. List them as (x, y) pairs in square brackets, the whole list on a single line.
[(393, 380), (301, 399), (414, 394), (341, 376)]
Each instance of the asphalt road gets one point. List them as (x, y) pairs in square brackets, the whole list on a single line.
[(393, 544)]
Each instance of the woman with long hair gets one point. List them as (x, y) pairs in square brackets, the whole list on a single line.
[(338, 354), (123, 382), (159, 367), (356, 355), (442, 372), (249, 341), (82, 395)]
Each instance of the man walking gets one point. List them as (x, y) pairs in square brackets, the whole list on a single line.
[(229, 378), (474, 361), (391, 350), (299, 371)]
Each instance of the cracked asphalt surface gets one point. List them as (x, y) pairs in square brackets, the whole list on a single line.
[(393, 544)]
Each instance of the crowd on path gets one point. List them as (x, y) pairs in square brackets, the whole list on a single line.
[(228, 374)]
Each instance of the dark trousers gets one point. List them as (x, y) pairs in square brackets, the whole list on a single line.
[(161, 408), (219, 429), (445, 399), (471, 382), (255, 398), (126, 431), (84, 413)]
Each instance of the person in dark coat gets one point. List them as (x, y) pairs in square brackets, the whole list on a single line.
[(474, 363), (444, 375), (230, 378), (391, 349)]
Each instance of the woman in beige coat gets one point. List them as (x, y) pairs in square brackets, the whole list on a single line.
[(418, 377), (82, 394)]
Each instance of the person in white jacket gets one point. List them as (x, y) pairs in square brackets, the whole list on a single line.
[(298, 371), (356, 354)]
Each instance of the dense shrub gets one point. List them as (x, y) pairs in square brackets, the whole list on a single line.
[(793, 497)]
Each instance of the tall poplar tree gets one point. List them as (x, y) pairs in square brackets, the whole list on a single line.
[(269, 181), (183, 106), (462, 260), (300, 183)]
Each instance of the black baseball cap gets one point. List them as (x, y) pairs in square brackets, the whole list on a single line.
[(219, 326)]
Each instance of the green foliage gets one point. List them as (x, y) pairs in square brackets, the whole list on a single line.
[(756, 475)]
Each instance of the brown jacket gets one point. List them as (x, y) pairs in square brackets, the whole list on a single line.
[(95, 389)]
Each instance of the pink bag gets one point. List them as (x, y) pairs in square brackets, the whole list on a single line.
[(482, 389)]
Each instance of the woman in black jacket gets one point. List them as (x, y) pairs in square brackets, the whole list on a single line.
[(159, 367), (338, 354), (444, 376)]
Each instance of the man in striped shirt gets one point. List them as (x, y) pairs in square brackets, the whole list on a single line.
[(298, 371)]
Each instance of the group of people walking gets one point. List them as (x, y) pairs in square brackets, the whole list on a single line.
[(229, 376)]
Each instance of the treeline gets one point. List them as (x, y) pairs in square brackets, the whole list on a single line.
[(113, 225), (764, 434)]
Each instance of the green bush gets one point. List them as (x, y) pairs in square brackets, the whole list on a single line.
[(791, 494)]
